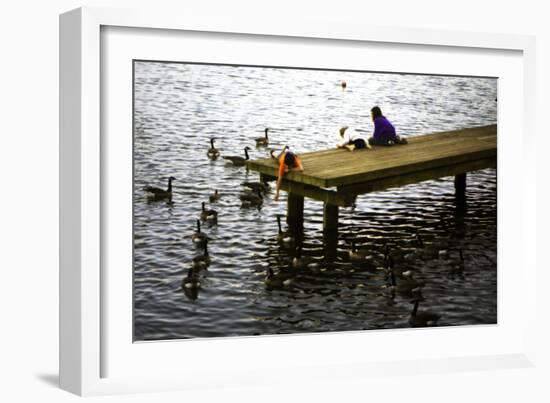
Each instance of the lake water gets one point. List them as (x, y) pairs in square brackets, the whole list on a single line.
[(179, 107)]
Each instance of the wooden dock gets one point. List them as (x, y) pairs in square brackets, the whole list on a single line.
[(337, 176)]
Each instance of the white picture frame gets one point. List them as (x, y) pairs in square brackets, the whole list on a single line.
[(83, 298)]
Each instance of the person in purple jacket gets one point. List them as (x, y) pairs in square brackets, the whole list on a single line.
[(384, 132)]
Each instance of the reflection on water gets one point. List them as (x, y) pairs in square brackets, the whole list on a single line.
[(179, 107)]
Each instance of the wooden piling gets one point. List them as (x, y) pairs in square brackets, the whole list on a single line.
[(460, 187), (330, 231), (295, 214)]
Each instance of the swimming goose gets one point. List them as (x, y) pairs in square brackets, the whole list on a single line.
[(283, 237), (208, 215), (298, 261), (199, 238), (343, 84), (355, 255), (458, 267), (262, 141), (158, 193), (202, 261), (406, 285), (422, 250), (422, 319), (437, 249), (251, 199), (262, 186), (276, 281), (191, 281), (213, 152), (238, 161), (215, 197)]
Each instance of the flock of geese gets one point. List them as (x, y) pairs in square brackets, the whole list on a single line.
[(251, 196), (402, 282)]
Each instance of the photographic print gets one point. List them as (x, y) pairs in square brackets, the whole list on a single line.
[(271, 200)]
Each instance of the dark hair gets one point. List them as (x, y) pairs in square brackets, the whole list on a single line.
[(376, 112), (289, 158)]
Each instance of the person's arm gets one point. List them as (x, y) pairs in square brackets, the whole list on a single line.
[(377, 129), (298, 165), (280, 177)]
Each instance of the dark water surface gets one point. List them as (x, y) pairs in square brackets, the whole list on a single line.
[(178, 107)]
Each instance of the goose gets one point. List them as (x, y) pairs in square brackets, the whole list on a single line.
[(407, 285), (283, 237), (202, 261), (422, 319), (214, 197), (208, 215), (191, 281), (251, 199), (343, 84), (398, 271), (398, 255), (298, 261), (262, 141), (213, 152), (422, 250), (437, 249), (238, 161), (276, 281), (158, 193), (262, 186), (458, 267), (199, 238), (355, 255)]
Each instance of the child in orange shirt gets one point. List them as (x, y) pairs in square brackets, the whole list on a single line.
[(287, 161)]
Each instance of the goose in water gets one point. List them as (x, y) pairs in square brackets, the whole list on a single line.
[(422, 319), (355, 255), (238, 161), (208, 215), (202, 261), (158, 193), (191, 281), (283, 237), (252, 199), (458, 267), (199, 238), (261, 186), (422, 250), (215, 197), (212, 152), (276, 281), (343, 84), (298, 261), (406, 285), (262, 141)]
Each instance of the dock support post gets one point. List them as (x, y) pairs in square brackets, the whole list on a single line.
[(330, 231), (460, 187), (295, 215)]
